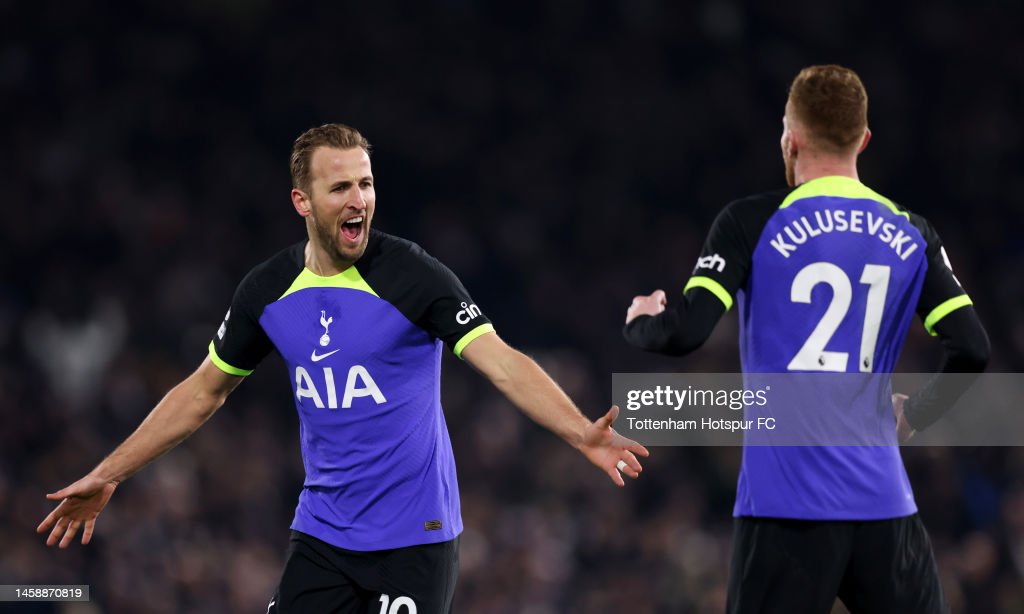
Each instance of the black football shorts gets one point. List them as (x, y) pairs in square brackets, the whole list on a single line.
[(321, 578), (801, 566)]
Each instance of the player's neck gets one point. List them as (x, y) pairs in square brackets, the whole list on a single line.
[(819, 166), (320, 262)]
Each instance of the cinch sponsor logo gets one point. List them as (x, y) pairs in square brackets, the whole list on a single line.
[(468, 313), (714, 261), (358, 384)]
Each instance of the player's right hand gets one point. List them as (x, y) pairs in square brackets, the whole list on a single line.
[(650, 305), (80, 504), (610, 451), (903, 429)]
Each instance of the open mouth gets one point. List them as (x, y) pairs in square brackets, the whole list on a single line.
[(352, 229)]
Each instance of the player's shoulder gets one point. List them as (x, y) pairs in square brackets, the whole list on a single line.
[(269, 279), (383, 244), (403, 273), (287, 262), (771, 199), (921, 223), (387, 251), (756, 206), (933, 244), (750, 214)]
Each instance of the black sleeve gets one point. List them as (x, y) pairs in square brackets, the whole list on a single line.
[(680, 329), (424, 290), (941, 293), (241, 343), (965, 351), (721, 271), (449, 312), (946, 311)]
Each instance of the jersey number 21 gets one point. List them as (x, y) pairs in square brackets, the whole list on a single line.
[(812, 355)]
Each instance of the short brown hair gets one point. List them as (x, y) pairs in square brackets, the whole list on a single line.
[(328, 135), (831, 102)]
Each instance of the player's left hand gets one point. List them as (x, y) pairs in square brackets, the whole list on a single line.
[(649, 305), (606, 448)]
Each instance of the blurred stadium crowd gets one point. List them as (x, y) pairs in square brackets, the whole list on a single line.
[(560, 160)]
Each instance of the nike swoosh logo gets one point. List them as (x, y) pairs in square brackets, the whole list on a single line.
[(316, 358)]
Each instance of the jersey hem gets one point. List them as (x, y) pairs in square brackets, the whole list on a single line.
[(433, 537), (831, 516)]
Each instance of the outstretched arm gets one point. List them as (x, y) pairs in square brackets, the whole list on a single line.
[(183, 410), (720, 272), (530, 389)]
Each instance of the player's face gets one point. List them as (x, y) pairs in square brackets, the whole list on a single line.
[(341, 201)]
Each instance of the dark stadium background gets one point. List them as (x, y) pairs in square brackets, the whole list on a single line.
[(560, 159)]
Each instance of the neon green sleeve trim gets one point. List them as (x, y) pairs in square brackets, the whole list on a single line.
[(842, 187), (483, 329), (711, 285), (225, 367), (944, 310)]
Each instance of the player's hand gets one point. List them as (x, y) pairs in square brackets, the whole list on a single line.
[(80, 505), (606, 448), (650, 305), (903, 429)]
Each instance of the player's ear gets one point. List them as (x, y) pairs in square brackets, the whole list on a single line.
[(865, 140), (791, 142), (792, 135), (301, 202)]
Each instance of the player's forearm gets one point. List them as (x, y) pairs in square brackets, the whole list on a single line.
[(531, 390), (654, 333), (680, 329), (182, 410), (966, 351)]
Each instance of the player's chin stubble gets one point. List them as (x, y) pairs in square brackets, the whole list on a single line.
[(330, 238)]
